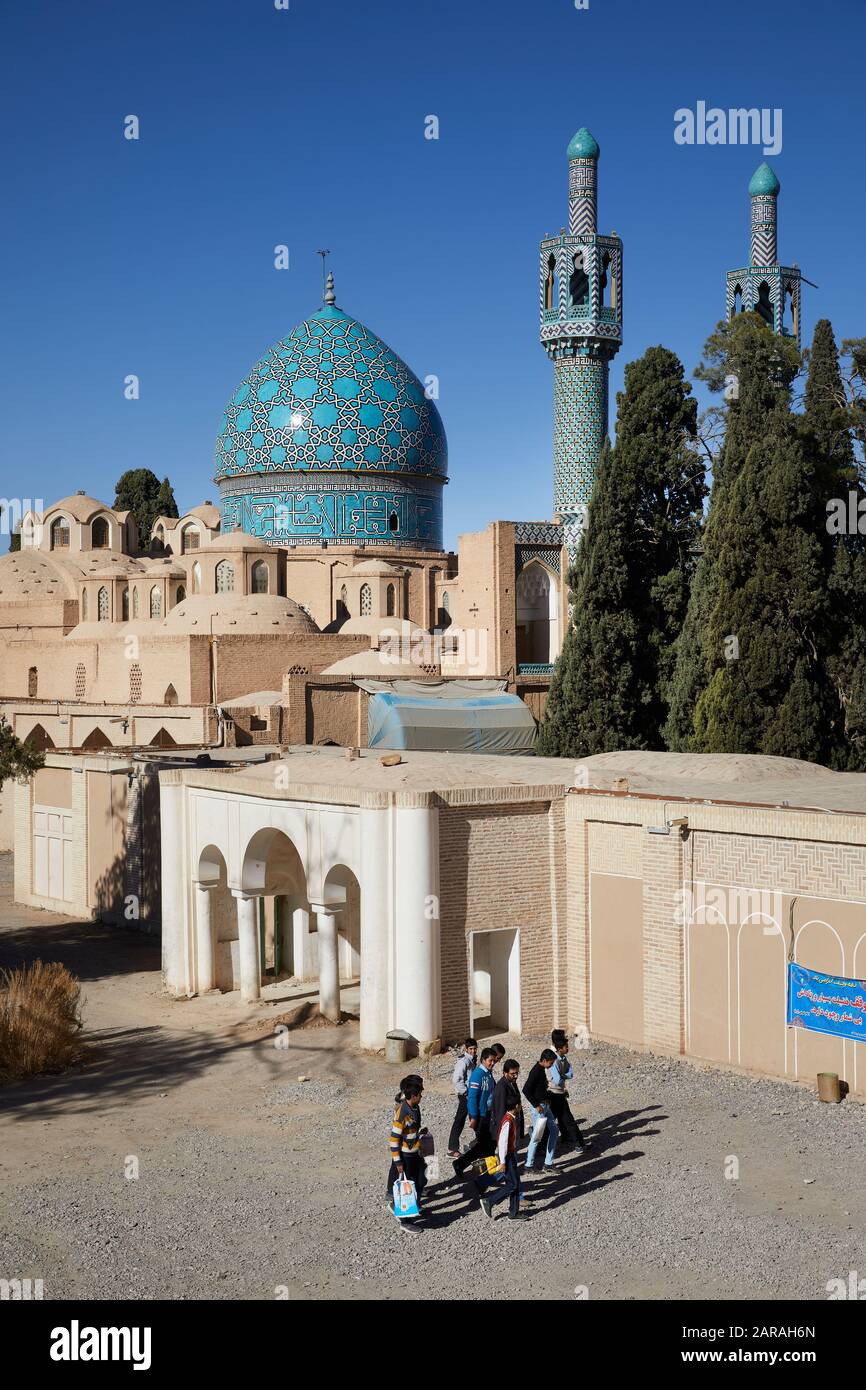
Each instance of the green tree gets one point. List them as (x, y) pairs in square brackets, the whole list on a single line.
[(139, 491), (630, 582), (597, 692), (830, 423), (750, 676), (18, 761)]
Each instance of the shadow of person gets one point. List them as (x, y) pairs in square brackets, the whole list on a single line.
[(550, 1193)]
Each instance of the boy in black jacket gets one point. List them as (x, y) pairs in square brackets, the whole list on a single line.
[(537, 1094)]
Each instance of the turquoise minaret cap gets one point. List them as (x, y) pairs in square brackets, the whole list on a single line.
[(762, 182), (583, 145)]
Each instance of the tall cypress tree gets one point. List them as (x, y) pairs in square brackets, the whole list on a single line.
[(140, 491), (631, 577), (828, 422), (597, 691), (763, 599)]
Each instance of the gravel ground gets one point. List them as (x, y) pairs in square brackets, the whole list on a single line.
[(187, 1160), (291, 1194)]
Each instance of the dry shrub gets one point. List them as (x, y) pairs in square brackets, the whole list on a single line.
[(40, 1020)]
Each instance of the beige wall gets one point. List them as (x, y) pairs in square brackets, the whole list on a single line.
[(681, 944)]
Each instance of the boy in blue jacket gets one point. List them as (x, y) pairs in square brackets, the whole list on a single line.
[(478, 1099)]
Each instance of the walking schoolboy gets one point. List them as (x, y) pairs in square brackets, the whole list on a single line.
[(462, 1071), (480, 1094), (506, 1152), (559, 1075), (536, 1093), (404, 1141)]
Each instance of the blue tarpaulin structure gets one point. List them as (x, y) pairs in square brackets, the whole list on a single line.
[(449, 716)]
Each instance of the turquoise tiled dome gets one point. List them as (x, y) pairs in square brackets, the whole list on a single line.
[(331, 396), (583, 145), (764, 182)]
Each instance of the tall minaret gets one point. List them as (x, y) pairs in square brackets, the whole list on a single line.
[(764, 286), (581, 330)]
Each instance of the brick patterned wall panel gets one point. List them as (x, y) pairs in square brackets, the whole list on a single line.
[(788, 866), (509, 886)]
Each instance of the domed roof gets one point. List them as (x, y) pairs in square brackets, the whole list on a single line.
[(80, 506), (241, 613), (33, 574), (331, 397), (763, 181), (583, 145)]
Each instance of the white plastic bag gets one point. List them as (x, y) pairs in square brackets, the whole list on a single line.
[(539, 1128)]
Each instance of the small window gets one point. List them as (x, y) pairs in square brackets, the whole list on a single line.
[(102, 605), (124, 604), (393, 522), (764, 305), (99, 534), (225, 577), (170, 696), (155, 602), (446, 602), (84, 605), (578, 284), (196, 578), (32, 682), (190, 539), (738, 299), (80, 681), (603, 296), (180, 595), (135, 604), (260, 577), (60, 534), (550, 283), (134, 684), (390, 600), (366, 601)]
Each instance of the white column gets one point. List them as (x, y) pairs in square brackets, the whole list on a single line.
[(248, 945), (175, 885), (204, 938), (305, 965), (329, 965), (376, 851), (418, 1002)]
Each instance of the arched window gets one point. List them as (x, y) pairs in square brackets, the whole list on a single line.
[(196, 578), (764, 306), (156, 602), (225, 577), (578, 284), (190, 539), (390, 600), (135, 604), (84, 605), (343, 605), (134, 684), (170, 696), (446, 602), (99, 534), (124, 604), (102, 605), (60, 534), (32, 682), (603, 295), (393, 522), (260, 577), (180, 595), (738, 299), (80, 681), (550, 283), (366, 600)]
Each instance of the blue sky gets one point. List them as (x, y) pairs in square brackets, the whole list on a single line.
[(306, 127)]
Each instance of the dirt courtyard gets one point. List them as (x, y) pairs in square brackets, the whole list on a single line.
[(185, 1159)]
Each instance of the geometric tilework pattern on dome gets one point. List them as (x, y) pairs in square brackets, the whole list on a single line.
[(331, 397)]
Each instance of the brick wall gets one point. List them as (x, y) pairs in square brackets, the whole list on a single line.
[(509, 885)]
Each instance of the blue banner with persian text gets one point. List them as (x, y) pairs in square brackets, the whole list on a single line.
[(826, 1003)]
